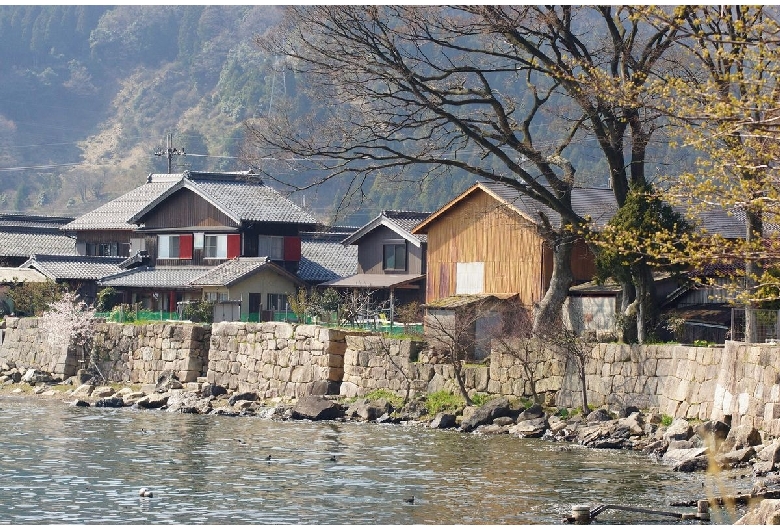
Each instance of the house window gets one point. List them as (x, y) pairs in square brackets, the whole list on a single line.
[(271, 247), (216, 296), (103, 249), (215, 247), (394, 257), (277, 302), (174, 247)]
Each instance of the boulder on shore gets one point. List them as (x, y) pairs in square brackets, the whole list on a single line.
[(316, 408), (486, 414)]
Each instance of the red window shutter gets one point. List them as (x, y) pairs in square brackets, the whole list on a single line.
[(233, 245), (185, 246), (292, 248)]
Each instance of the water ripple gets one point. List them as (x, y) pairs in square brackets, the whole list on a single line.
[(67, 465)]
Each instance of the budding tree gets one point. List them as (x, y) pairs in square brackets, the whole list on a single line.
[(69, 321), (728, 115)]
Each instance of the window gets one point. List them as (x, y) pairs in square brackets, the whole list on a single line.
[(216, 296), (103, 249), (174, 247), (277, 302), (394, 257), (221, 246), (271, 247), (215, 247)]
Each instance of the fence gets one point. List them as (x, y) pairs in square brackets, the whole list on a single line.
[(137, 315), (767, 325), (275, 316)]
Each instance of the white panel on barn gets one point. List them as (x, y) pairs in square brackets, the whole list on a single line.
[(470, 278)]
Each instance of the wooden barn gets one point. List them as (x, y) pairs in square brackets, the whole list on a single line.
[(487, 241), (486, 245)]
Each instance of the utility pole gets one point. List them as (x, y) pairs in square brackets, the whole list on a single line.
[(169, 151)]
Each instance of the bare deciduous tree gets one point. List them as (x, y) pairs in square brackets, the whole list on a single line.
[(574, 347), (416, 92), (515, 338)]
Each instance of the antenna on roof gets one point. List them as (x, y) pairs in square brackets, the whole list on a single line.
[(169, 151)]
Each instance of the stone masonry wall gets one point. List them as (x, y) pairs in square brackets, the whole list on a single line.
[(126, 352), (27, 345), (141, 353), (276, 359), (739, 381)]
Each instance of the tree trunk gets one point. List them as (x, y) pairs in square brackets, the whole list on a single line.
[(549, 309), (753, 231), (458, 366), (647, 308), (627, 332), (583, 383)]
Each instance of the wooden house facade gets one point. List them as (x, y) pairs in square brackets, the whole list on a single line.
[(486, 241), (176, 227)]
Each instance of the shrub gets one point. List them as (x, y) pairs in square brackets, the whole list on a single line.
[(200, 311), (666, 420), (442, 400), (394, 399), (479, 399)]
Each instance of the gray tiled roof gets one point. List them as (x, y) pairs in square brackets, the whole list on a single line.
[(601, 206), (24, 243), (235, 270), (401, 222), (18, 220), (74, 267), (248, 199), (23, 235), (155, 277), (598, 203), (240, 195), (408, 220), (116, 214), (324, 258)]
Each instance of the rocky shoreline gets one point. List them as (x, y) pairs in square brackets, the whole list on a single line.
[(679, 444)]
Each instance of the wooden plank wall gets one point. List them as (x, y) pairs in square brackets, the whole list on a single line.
[(185, 208), (483, 229)]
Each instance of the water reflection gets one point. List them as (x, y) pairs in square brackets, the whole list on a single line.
[(63, 464)]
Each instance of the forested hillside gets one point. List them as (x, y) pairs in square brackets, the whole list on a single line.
[(89, 93)]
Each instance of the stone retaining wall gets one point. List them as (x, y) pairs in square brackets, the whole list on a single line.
[(125, 352), (141, 353), (27, 345), (276, 359), (738, 382)]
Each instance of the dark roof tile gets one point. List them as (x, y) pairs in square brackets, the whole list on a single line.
[(324, 258), (74, 267)]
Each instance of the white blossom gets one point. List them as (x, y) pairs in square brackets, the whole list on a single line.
[(68, 321)]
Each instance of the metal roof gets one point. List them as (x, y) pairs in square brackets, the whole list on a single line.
[(74, 267), (155, 277), (324, 258), (241, 196), (461, 300)]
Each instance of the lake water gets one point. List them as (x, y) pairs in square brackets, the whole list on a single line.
[(68, 465)]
